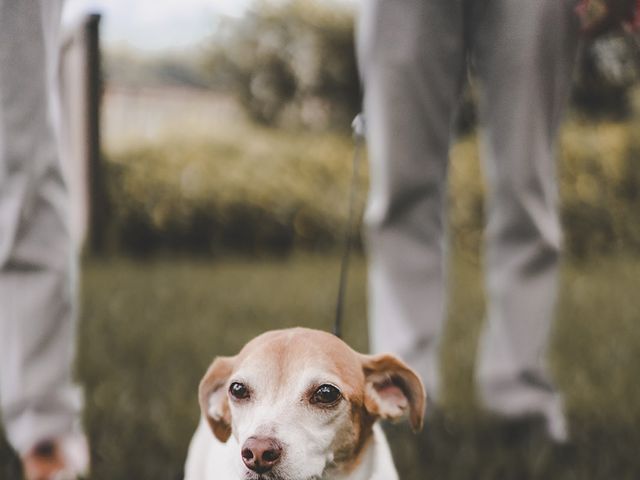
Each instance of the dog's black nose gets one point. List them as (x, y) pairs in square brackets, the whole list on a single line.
[(261, 454)]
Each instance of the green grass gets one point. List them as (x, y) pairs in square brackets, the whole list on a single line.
[(150, 329)]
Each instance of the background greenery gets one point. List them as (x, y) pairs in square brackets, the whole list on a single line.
[(261, 191), (273, 178)]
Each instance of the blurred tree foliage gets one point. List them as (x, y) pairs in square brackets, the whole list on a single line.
[(607, 71), (290, 63), (294, 63)]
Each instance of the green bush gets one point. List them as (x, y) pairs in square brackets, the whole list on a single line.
[(601, 188), (275, 192), (267, 194), (599, 182)]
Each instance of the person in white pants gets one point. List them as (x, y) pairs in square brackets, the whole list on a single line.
[(39, 404), (414, 56)]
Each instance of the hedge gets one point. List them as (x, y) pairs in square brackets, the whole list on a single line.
[(269, 191)]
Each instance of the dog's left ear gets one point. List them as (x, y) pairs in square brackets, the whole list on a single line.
[(212, 395), (393, 390)]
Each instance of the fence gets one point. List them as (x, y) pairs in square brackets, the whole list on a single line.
[(81, 91)]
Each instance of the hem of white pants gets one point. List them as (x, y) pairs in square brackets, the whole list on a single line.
[(548, 404)]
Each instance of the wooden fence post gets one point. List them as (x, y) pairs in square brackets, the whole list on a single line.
[(81, 94), (98, 200)]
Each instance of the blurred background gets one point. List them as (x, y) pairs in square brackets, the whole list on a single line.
[(218, 202)]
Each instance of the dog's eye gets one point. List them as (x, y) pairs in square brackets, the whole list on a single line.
[(239, 391), (326, 394)]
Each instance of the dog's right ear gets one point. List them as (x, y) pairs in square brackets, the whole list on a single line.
[(212, 395), (393, 390)]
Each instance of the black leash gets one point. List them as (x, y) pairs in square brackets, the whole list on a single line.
[(358, 136)]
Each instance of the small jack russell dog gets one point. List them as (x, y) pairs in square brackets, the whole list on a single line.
[(300, 404)]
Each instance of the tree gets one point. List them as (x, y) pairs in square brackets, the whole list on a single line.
[(293, 63)]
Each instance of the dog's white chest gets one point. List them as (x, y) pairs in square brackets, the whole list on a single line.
[(210, 459)]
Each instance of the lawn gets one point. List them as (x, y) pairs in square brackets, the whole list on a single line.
[(149, 329)]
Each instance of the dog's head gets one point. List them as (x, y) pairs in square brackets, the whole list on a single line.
[(301, 403)]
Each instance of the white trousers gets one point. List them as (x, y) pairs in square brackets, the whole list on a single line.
[(37, 265), (413, 57)]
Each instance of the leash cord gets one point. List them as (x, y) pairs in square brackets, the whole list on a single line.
[(358, 134)]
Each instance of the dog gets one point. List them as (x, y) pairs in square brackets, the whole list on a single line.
[(300, 404)]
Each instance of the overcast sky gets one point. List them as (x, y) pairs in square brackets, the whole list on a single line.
[(156, 24)]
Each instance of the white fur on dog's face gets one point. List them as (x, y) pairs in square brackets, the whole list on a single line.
[(280, 373)]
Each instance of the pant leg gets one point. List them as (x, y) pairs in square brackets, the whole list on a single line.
[(412, 61), (37, 264), (524, 54)]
